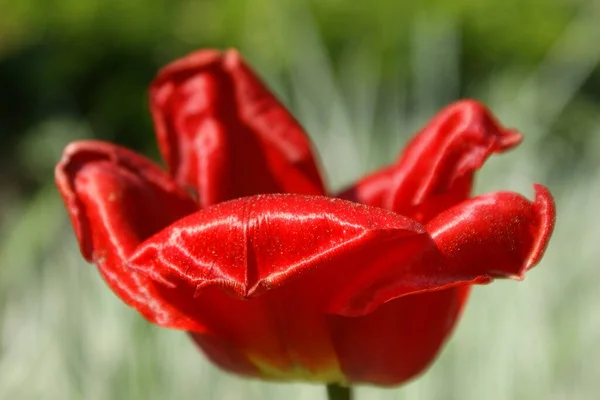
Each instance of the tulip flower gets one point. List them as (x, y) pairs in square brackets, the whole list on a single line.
[(239, 243)]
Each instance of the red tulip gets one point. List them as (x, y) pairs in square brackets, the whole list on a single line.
[(271, 277)]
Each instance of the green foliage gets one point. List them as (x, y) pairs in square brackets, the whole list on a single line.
[(93, 59)]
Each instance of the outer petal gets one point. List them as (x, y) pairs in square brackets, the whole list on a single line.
[(496, 235), (251, 245), (353, 257), (224, 134), (116, 199), (436, 169), (399, 339), (225, 354), (287, 261), (280, 258)]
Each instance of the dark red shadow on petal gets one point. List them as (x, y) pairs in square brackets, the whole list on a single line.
[(225, 354), (399, 339), (279, 334)]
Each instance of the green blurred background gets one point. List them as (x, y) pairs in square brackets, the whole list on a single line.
[(361, 76)]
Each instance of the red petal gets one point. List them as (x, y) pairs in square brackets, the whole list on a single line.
[(399, 339), (495, 235), (240, 333), (287, 260), (225, 354), (435, 171), (116, 199), (256, 336), (255, 244), (498, 235), (280, 258), (252, 245), (223, 133)]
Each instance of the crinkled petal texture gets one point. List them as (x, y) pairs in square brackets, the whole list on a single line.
[(222, 133), (326, 289)]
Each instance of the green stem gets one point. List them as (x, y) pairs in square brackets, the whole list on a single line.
[(337, 392)]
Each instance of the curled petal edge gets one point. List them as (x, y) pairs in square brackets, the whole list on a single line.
[(402, 260), (101, 185), (512, 231)]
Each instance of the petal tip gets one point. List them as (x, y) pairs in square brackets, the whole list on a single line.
[(232, 60), (505, 138), (194, 60), (520, 277), (78, 146), (545, 209), (231, 56), (73, 157), (509, 139)]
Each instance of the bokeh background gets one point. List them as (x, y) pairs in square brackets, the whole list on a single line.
[(361, 76)]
